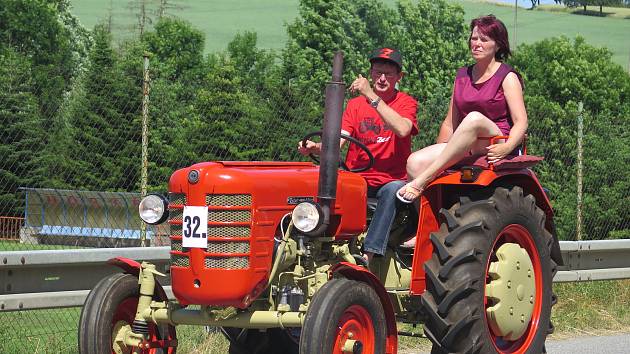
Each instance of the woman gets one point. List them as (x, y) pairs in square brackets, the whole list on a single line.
[(487, 101)]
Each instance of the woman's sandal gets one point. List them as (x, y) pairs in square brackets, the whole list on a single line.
[(409, 188)]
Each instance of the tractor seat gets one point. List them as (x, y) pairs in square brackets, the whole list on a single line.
[(510, 162)]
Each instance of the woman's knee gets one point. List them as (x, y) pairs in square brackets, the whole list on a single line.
[(474, 118), (416, 162), (480, 124)]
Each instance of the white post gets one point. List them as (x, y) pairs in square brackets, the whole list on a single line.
[(145, 143), (579, 171), (515, 18)]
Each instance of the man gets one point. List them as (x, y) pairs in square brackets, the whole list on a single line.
[(384, 120)]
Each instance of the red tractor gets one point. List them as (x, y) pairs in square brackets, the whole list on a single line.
[(266, 251)]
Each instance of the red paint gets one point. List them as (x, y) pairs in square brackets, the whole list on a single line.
[(270, 184)]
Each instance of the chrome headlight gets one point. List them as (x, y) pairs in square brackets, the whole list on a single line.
[(153, 209), (307, 216)]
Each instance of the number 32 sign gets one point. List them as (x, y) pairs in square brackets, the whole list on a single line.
[(195, 226)]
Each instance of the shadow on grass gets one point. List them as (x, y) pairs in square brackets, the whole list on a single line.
[(593, 13)]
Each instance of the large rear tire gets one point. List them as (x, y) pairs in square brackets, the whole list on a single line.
[(109, 307), (344, 313), (489, 281)]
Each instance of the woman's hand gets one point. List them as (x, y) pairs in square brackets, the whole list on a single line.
[(496, 152)]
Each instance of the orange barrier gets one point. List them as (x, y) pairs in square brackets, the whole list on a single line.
[(10, 228)]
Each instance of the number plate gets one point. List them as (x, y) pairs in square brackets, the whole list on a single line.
[(195, 227)]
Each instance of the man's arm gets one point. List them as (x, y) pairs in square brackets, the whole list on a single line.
[(400, 125), (316, 148)]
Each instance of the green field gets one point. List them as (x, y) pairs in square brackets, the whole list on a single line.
[(221, 20), (532, 26)]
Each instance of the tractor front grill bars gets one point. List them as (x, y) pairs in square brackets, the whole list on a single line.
[(229, 231)]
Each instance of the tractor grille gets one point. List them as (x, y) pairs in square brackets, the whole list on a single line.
[(177, 198), (229, 199), (176, 214), (227, 263), (228, 231), (180, 261), (225, 254), (229, 215)]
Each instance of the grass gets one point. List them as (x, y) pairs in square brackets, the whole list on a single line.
[(592, 308), (221, 20), (588, 308), (610, 12), (17, 246), (39, 331)]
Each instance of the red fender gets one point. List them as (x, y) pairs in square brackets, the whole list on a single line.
[(128, 265), (358, 273), (132, 267)]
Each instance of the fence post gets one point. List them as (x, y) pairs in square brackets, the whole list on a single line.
[(579, 171), (145, 142), (515, 28)]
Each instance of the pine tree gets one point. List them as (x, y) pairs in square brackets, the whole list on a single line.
[(21, 132), (106, 121)]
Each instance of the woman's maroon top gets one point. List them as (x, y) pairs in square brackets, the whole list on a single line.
[(486, 97)]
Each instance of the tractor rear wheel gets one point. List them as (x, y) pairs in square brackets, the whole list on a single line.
[(345, 316), (489, 280), (109, 310)]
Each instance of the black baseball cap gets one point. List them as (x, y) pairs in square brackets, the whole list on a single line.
[(389, 54)]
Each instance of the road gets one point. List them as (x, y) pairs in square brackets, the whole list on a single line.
[(614, 344), (617, 344)]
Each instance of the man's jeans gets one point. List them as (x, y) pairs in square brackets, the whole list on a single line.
[(381, 224)]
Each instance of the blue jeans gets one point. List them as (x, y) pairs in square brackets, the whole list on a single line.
[(381, 224)]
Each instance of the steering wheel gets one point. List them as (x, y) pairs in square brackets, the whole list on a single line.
[(341, 162)]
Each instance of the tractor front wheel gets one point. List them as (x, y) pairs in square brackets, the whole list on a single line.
[(489, 281), (108, 313), (346, 316)]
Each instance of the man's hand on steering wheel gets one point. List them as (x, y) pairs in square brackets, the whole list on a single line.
[(309, 147)]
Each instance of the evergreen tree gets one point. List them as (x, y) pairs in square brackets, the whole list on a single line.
[(40, 29), (223, 126), (176, 70), (107, 121), (21, 132)]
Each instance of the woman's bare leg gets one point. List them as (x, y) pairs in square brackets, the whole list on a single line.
[(459, 145), (421, 159)]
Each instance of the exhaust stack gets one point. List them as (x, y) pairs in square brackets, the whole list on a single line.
[(329, 158)]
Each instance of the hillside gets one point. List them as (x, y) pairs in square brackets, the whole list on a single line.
[(221, 20)]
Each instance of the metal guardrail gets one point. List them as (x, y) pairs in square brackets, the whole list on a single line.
[(63, 278), (594, 260)]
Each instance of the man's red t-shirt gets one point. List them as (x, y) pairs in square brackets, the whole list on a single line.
[(363, 122)]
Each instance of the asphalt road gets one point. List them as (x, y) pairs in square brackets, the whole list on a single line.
[(616, 344)]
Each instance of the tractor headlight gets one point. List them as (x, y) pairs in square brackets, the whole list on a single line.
[(307, 216), (153, 209)]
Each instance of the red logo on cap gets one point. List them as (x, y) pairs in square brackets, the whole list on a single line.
[(385, 52)]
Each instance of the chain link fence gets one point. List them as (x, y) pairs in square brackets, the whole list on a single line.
[(77, 181)]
